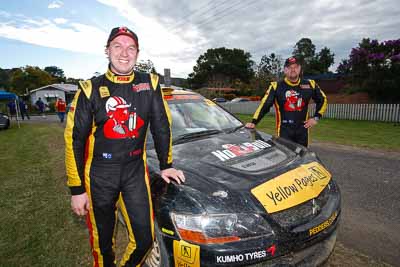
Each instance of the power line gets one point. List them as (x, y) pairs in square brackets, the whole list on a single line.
[(239, 6), (177, 27), (186, 16)]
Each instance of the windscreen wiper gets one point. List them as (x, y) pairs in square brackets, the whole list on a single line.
[(234, 129), (183, 137)]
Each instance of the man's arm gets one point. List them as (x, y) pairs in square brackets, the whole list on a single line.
[(319, 98), (77, 130), (160, 127), (321, 103), (266, 102)]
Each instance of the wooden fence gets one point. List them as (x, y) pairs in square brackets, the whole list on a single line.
[(368, 112)]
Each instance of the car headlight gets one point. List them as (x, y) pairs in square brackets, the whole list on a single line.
[(220, 228), (5, 116)]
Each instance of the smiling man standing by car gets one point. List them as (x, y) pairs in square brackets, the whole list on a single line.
[(291, 97), (105, 150)]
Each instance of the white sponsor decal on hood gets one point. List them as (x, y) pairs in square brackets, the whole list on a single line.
[(232, 151)]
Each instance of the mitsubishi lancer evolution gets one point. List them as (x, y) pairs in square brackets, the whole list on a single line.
[(250, 199)]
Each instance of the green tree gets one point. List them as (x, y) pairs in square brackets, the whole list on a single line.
[(29, 78), (222, 67), (4, 79), (145, 66), (313, 63), (325, 59), (73, 81), (56, 73), (270, 67), (374, 67)]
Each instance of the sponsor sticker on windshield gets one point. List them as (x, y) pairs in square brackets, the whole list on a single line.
[(293, 187), (186, 254), (182, 97), (209, 102)]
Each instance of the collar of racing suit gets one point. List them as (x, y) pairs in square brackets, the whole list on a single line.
[(291, 83), (119, 78)]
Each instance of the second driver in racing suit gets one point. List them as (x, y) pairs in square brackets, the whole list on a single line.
[(290, 98), (105, 151)]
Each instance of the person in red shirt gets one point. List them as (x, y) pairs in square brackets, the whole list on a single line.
[(61, 107)]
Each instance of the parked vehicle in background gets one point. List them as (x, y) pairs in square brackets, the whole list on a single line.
[(219, 100), (239, 99), (4, 121)]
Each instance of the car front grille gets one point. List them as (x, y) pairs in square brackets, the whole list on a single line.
[(303, 212)]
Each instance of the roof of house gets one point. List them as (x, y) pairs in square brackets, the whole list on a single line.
[(66, 87)]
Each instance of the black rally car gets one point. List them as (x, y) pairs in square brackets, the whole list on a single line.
[(249, 199)]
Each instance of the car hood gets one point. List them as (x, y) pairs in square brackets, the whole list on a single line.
[(222, 166)]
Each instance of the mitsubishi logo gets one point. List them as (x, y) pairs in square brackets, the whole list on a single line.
[(315, 207)]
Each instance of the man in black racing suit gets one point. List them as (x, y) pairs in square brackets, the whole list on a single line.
[(105, 151), (290, 98)]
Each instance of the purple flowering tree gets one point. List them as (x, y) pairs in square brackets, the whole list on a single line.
[(374, 67)]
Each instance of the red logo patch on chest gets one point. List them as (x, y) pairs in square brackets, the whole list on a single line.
[(141, 87)]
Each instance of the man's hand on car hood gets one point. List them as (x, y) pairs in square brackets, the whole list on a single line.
[(172, 173)]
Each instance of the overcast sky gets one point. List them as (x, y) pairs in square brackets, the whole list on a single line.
[(174, 33)]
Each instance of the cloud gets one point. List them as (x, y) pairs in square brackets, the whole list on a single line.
[(55, 4), (255, 26), (60, 20), (75, 37), (174, 33), (166, 48)]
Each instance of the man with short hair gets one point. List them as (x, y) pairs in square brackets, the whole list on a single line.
[(23, 108), (12, 110), (105, 150), (40, 106), (291, 97)]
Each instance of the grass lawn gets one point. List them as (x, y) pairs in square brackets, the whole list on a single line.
[(36, 225), (375, 135)]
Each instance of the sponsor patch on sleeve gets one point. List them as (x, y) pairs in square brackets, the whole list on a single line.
[(104, 91), (186, 254)]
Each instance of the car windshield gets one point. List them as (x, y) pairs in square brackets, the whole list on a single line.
[(194, 117)]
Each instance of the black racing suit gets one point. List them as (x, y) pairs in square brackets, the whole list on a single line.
[(106, 158), (291, 107)]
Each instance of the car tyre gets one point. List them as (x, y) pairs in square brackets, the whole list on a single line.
[(158, 256)]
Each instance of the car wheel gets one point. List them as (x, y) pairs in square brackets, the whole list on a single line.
[(158, 256)]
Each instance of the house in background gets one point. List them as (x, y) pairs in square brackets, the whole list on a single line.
[(50, 93)]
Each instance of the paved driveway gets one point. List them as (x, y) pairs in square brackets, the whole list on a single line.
[(370, 185)]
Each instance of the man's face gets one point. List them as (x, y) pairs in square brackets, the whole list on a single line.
[(292, 72), (122, 53)]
